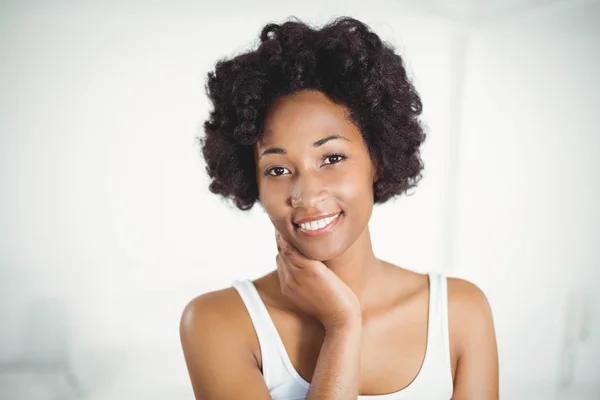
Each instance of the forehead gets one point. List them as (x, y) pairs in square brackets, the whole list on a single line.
[(305, 116)]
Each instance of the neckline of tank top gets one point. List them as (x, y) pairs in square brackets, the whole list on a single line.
[(407, 390)]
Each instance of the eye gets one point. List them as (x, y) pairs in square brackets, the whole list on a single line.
[(334, 158), (276, 171)]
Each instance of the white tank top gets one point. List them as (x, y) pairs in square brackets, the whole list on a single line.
[(433, 382)]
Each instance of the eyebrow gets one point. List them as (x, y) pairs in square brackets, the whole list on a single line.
[(320, 142)]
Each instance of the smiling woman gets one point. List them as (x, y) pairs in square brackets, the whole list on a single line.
[(315, 176), (319, 125)]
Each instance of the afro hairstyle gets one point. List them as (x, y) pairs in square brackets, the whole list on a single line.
[(347, 62)]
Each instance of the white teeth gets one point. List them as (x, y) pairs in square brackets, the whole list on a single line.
[(314, 225)]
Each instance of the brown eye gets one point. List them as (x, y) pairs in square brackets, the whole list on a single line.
[(334, 158), (276, 171)]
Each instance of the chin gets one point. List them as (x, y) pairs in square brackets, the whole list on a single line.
[(321, 251)]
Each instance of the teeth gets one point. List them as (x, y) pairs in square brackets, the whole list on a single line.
[(314, 225)]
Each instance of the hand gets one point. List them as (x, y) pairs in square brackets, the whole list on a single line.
[(316, 289)]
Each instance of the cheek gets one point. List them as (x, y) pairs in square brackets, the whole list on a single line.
[(272, 199), (354, 186)]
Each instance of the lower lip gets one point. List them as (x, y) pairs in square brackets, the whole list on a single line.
[(321, 231)]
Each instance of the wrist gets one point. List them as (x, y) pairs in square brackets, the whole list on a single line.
[(346, 327)]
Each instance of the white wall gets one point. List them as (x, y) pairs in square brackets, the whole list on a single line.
[(107, 223), (528, 191)]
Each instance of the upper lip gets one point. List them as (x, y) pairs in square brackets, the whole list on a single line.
[(314, 218)]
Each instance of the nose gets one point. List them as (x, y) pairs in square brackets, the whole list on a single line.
[(307, 191)]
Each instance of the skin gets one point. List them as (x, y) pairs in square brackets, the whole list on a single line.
[(344, 315)]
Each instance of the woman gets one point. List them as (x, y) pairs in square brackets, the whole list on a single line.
[(318, 125)]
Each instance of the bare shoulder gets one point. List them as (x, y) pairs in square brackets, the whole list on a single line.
[(465, 297), (473, 340), (220, 313), (469, 311), (219, 347), (209, 304)]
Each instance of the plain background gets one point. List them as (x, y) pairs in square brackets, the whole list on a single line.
[(107, 227)]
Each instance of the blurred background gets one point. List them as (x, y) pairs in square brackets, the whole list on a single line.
[(107, 227)]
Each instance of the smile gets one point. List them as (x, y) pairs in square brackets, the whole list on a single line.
[(318, 227)]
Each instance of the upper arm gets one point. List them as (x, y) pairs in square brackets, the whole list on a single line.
[(471, 322), (220, 363)]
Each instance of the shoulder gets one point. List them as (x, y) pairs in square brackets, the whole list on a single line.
[(220, 347), (466, 296), (473, 341), (211, 305), (213, 319), (469, 311)]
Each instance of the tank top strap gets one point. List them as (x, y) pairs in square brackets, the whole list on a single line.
[(266, 332), (438, 338)]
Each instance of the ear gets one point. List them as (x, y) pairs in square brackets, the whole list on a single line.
[(376, 170)]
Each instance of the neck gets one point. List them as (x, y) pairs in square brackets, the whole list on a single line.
[(358, 268)]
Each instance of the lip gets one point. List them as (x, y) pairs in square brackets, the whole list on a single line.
[(321, 231)]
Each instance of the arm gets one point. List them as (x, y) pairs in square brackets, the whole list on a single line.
[(320, 293), (472, 325), (336, 375), (220, 362)]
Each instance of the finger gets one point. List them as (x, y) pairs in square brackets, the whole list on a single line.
[(277, 235), (285, 273), (293, 256), (281, 272), (285, 246)]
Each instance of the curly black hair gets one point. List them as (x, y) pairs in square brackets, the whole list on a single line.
[(347, 62)]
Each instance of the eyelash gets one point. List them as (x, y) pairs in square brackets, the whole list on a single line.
[(341, 158)]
